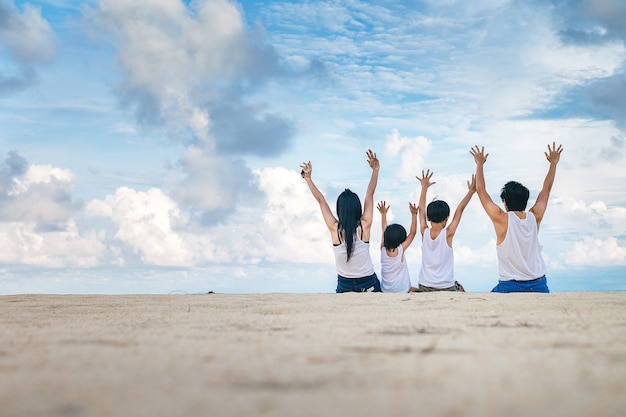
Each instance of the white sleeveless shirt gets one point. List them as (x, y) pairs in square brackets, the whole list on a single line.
[(360, 264), (437, 269), (519, 254), (394, 272)]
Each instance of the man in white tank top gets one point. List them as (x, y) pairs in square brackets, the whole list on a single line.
[(520, 264)]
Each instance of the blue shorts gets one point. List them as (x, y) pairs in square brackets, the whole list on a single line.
[(366, 284), (536, 285)]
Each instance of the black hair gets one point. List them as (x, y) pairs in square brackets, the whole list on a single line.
[(394, 235), (515, 195), (349, 212), (437, 211)]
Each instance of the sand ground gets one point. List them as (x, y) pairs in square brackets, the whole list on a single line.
[(440, 354)]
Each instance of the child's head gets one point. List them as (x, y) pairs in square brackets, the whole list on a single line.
[(394, 235), (437, 211), (515, 196)]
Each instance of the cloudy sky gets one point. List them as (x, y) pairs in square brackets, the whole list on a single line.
[(154, 146)]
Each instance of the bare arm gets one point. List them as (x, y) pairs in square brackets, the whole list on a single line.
[(492, 209), (553, 156), (498, 217), (368, 205), (425, 182), (383, 207), (329, 218), (456, 219), (413, 230)]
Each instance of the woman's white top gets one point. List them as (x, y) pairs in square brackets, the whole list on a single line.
[(360, 264)]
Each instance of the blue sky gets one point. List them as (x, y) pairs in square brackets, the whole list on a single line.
[(154, 146)]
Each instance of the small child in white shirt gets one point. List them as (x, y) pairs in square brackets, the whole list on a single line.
[(394, 269)]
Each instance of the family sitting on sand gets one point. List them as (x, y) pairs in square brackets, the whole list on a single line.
[(521, 266)]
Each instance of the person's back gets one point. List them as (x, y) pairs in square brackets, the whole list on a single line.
[(519, 254), (350, 231), (394, 270), (520, 264), (437, 269), (359, 264)]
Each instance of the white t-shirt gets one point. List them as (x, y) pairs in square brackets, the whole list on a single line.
[(519, 254), (360, 264), (437, 269), (394, 272)]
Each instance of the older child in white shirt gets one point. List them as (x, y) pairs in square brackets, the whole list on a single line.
[(437, 270)]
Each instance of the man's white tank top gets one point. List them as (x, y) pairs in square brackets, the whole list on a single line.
[(519, 255), (437, 269), (394, 272), (360, 264)]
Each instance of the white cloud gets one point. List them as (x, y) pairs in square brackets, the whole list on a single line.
[(166, 52), (192, 69), (527, 78), (292, 227), (411, 151), (179, 62), (449, 188), (23, 243), (593, 219), (485, 255), (145, 223), (40, 174), (29, 41), (27, 35), (289, 228), (37, 193), (209, 182), (597, 252), (37, 224)]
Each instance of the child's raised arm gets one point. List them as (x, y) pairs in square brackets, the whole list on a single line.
[(456, 219), (383, 207), (425, 182), (413, 230)]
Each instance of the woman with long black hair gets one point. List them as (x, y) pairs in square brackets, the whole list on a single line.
[(350, 231)]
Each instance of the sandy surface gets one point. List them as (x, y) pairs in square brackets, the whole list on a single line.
[(443, 354)]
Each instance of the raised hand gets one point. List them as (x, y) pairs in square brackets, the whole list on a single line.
[(425, 180), (306, 169), (554, 154), (372, 160), (413, 208), (383, 207), (471, 185), (479, 154)]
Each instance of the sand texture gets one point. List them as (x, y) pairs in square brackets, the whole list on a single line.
[(438, 354)]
